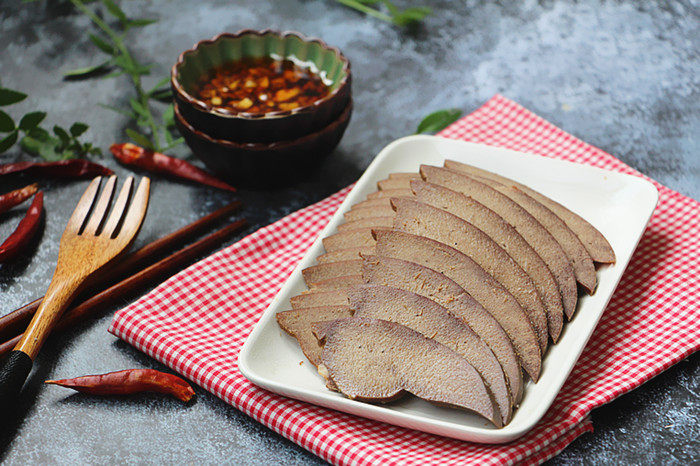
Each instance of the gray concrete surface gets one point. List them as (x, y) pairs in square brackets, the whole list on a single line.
[(620, 75)]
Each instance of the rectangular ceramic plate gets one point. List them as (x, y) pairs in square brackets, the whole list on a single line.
[(618, 205)]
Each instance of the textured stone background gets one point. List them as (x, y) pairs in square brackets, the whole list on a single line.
[(621, 75)]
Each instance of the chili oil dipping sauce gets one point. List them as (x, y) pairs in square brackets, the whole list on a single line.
[(262, 85)]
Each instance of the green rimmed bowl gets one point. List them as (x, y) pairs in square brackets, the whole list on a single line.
[(260, 127)]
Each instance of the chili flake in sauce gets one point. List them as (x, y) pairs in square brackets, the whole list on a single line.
[(261, 85)]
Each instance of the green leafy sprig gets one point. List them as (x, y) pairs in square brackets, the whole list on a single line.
[(150, 131), (438, 120), (63, 144), (407, 17)]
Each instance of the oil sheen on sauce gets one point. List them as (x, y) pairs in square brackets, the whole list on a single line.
[(261, 85)]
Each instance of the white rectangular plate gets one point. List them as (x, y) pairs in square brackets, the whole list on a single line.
[(618, 205)]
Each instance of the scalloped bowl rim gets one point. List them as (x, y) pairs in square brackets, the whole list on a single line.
[(204, 107)]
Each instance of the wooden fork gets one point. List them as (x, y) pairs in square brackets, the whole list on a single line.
[(90, 241)]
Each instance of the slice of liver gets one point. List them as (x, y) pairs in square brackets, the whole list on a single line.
[(390, 193), (404, 175), (372, 203), (424, 220), (505, 236), (338, 282), (434, 321), (330, 297), (318, 273), (594, 242), (409, 276), (344, 254), (375, 360), (393, 183), (367, 212), (584, 270), (371, 222), (529, 228), (347, 239), (297, 323), (475, 281)]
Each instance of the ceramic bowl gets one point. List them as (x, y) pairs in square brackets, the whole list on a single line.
[(264, 164), (260, 127)]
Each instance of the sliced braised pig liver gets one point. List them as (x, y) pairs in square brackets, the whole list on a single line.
[(409, 276), (595, 243), (529, 228), (297, 323), (475, 281), (424, 220), (375, 360), (434, 321), (505, 236)]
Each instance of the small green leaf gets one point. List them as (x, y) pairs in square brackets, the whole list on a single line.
[(31, 120), (78, 128), (114, 9), (410, 16), (126, 63), (168, 137), (113, 74), (391, 7), (116, 109), (439, 120), (102, 44), (174, 143), (39, 134), (161, 83), (169, 116), (8, 141), (7, 124), (139, 138), (49, 151), (31, 145), (9, 97), (164, 95), (88, 70), (140, 22), (138, 107), (62, 135)]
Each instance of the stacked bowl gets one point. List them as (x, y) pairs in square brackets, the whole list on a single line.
[(261, 148)]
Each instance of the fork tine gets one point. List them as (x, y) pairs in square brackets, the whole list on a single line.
[(119, 207), (83, 208), (99, 213), (137, 210)]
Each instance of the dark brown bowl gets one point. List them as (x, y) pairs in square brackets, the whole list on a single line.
[(260, 127), (264, 164)]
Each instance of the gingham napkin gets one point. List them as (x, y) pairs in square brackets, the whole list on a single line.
[(197, 320)]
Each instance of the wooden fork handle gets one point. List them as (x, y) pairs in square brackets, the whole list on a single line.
[(59, 295)]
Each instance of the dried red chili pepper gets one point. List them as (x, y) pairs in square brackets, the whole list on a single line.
[(128, 382), (71, 168), (25, 231), (133, 155), (16, 197)]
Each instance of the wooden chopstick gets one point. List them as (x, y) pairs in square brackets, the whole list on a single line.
[(13, 323), (132, 283)]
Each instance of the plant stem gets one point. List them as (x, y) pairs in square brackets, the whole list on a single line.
[(118, 42)]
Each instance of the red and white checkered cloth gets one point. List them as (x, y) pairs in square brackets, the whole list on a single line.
[(197, 320)]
